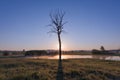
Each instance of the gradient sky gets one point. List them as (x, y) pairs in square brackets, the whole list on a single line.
[(91, 24)]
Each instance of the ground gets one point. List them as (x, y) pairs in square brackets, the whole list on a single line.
[(44, 69)]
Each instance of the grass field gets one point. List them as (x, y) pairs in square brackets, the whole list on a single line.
[(77, 69)]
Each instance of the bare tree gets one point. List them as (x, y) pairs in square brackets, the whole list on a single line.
[(57, 25)]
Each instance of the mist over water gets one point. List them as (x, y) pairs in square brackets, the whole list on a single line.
[(101, 57)]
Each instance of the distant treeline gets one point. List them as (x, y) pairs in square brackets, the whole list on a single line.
[(55, 52), (99, 52), (10, 53), (35, 52), (94, 51), (106, 52), (40, 53)]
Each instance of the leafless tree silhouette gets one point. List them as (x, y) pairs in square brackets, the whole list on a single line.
[(57, 24)]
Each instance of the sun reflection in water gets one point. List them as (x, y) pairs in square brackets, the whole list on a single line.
[(62, 57), (116, 58)]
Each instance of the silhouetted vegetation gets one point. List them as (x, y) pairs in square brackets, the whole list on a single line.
[(6, 53), (102, 48), (36, 53), (94, 51), (101, 51), (11, 53), (57, 24)]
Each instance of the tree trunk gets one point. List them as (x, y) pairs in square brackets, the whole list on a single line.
[(59, 39)]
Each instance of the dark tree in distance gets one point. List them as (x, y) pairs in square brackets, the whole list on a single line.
[(57, 24), (102, 48)]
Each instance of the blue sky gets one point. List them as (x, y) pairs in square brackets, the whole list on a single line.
[(91, 24)]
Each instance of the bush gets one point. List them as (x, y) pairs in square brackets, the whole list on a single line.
[(94, 51), (5, 54), (35, 53)]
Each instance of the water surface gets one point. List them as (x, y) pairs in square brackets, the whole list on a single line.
[(102, 57)]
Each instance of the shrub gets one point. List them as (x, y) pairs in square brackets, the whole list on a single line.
[(5, 54), (94, 51), (35, 53)]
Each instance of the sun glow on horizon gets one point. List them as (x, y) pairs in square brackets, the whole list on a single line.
[(62, 47)]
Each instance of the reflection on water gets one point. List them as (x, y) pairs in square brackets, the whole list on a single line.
[(103, 57)]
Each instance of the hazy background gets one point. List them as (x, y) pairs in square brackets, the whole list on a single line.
[(91, 23)]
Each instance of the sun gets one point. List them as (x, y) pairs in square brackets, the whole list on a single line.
[(62, 46)]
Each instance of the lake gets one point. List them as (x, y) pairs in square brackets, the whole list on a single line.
[(102, 57)]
